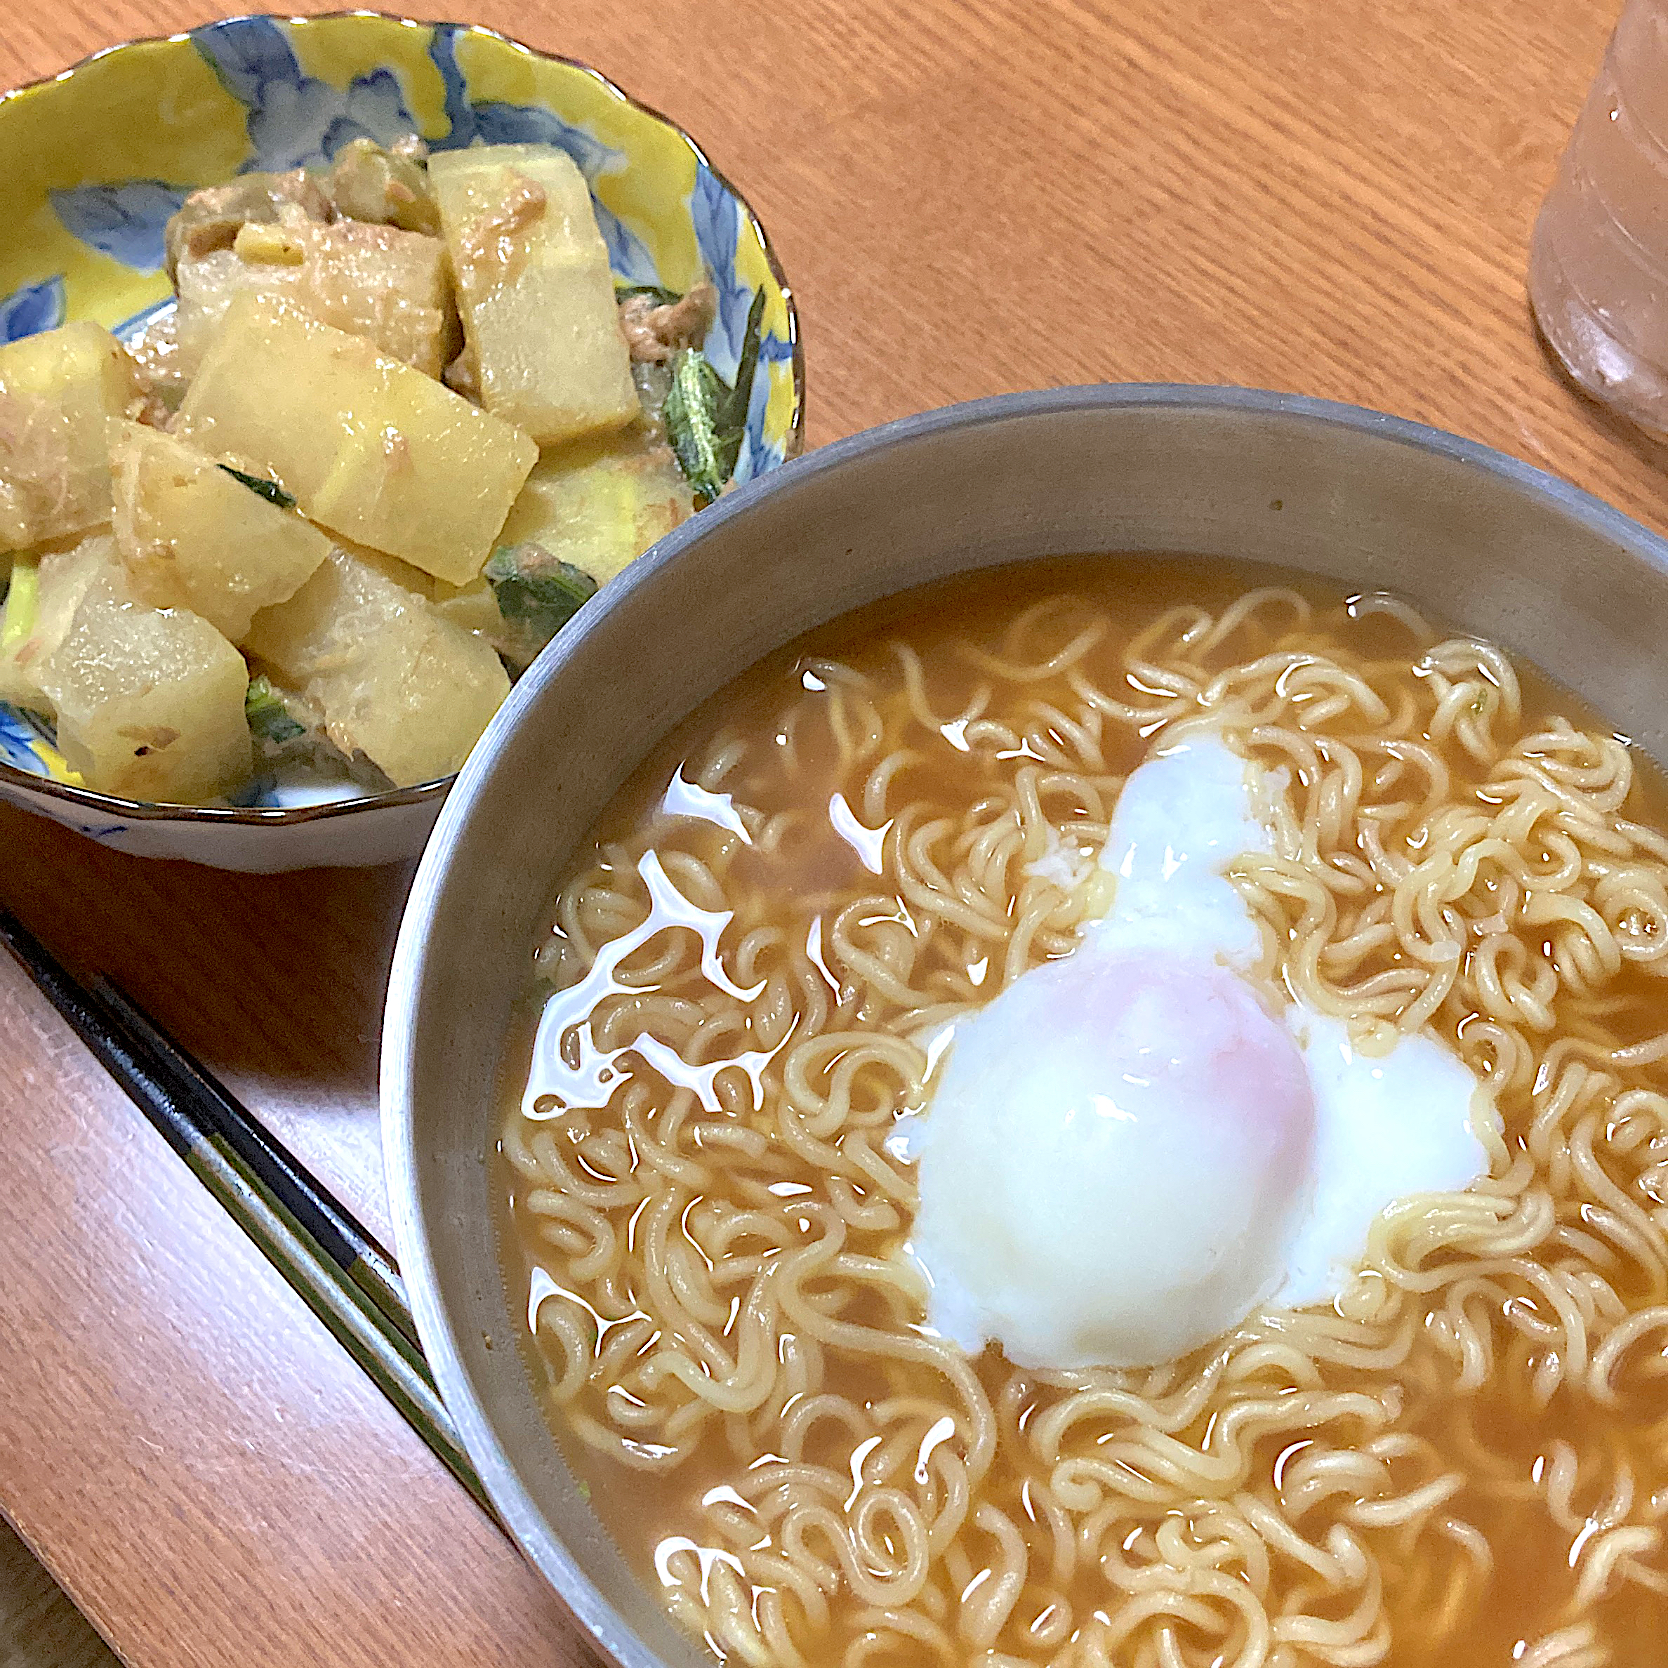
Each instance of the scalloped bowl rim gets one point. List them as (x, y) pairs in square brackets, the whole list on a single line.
[(144, 810)]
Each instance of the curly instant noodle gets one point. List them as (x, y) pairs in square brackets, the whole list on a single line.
[(1465, 1459)]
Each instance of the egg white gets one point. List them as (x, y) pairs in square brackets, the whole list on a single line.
[(1072, 1241)]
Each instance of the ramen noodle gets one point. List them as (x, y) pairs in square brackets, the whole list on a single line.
[(1463, 1459)]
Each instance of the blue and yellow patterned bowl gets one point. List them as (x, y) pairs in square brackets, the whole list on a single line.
[(94, 161)]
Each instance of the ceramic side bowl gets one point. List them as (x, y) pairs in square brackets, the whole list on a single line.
[(94, 161), (1483, 540)]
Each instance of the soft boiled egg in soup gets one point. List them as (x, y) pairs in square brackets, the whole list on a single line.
[(1131, 1149)]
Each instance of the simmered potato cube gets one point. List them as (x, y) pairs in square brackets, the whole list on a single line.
[(594, 506), (534, 289), (367, 446), (192, 535), (149, 702), (598, 505), (474, 607), (58, 391), (388, 285), (41, 601), (410, 691)]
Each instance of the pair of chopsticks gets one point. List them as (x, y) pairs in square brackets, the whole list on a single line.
[(328, 1257)]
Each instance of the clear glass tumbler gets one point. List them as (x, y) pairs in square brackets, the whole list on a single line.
[(1598, 260)]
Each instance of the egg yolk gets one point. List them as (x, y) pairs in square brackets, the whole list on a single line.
[(1114, 1161)]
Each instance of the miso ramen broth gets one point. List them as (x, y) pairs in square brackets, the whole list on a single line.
[(1461, 1459)]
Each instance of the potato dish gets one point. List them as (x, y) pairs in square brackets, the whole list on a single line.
[(399, 425)]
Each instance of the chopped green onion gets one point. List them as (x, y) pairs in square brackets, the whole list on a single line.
[(691, 414), (705, 416), (23, 601), (532, 586), (269, 490), (269, 719)]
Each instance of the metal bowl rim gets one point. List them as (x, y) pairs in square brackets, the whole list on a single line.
[(537, 1539)]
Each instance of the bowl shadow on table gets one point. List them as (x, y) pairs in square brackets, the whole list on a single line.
[(39, 1627)]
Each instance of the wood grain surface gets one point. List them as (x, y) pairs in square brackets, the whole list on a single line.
[(1329, 196)]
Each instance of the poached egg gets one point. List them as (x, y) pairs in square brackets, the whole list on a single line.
[(1131, 1149)]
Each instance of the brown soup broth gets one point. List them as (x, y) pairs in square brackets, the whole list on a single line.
[(1486, 1575)]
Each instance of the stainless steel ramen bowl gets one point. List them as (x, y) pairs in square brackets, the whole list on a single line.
[(1488, 542)]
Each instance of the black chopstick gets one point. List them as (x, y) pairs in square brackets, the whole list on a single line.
[(338, 1233), (327, 1257)]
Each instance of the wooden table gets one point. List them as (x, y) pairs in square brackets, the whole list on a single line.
[(970, 196)]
